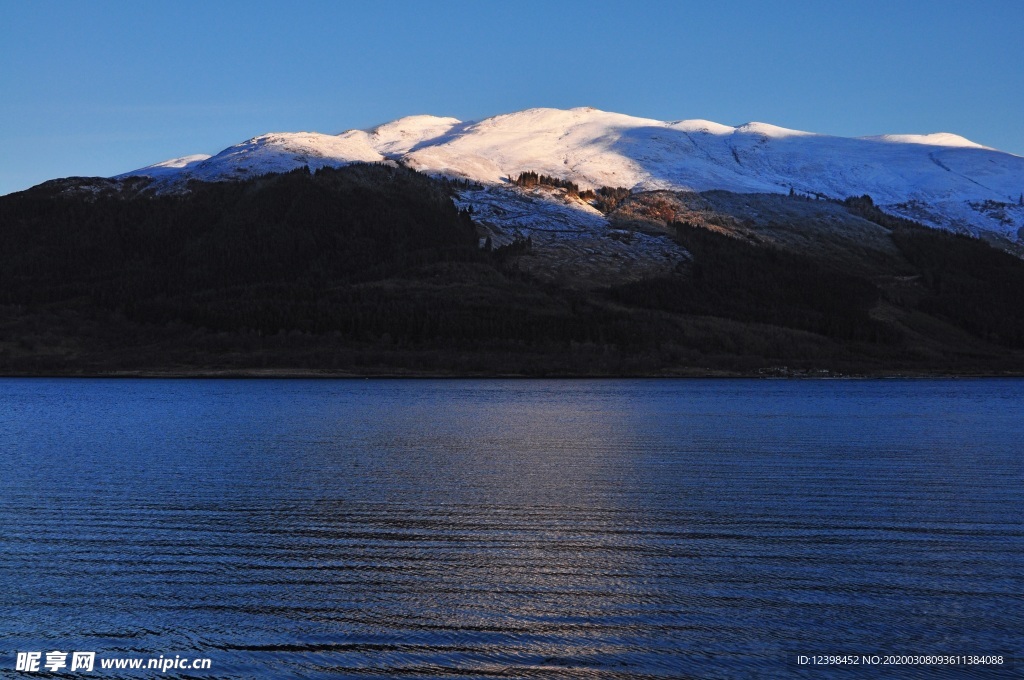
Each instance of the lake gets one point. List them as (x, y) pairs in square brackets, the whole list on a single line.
[(513, 528)]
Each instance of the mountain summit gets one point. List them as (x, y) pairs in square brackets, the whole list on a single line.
[(940, 179)]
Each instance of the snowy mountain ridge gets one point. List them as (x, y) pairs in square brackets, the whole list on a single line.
[(940, 179)]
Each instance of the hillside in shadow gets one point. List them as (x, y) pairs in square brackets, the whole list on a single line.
[(371, 269)]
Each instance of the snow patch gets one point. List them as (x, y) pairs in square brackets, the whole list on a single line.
[(595, 148), (768, 130), (933, 139), (399, 136), (168, 168)]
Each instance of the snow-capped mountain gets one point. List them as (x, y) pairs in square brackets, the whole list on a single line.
[(940, 179)]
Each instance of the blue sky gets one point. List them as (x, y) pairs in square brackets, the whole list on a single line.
[(97, 88)]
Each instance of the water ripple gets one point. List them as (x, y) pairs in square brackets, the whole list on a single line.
[(576, 529)]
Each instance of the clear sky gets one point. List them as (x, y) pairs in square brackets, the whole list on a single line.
[(97, 88)]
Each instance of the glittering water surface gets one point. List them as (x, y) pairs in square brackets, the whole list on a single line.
[(591, 529)]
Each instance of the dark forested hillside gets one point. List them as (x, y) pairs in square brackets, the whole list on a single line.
[(348, 225), (372, 270), (738, 280)]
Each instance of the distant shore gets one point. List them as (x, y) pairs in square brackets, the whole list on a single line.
[(335, 374)]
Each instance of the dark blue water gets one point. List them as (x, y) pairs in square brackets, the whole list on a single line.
[(534, 529)]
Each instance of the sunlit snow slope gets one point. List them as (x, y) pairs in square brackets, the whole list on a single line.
[(940, 179)]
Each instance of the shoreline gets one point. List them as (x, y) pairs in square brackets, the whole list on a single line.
[(333, 374)]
